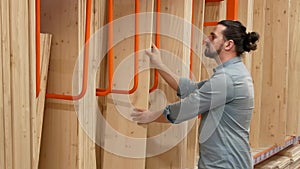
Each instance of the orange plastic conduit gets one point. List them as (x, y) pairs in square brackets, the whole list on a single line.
[(37, 40), (232, 10), (157, 42), (85, 66), (103, 92)]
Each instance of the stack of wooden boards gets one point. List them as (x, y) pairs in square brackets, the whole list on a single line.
[(286, 159)]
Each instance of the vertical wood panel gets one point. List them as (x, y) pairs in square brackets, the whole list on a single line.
[(138, 99), (293, 116), (2, 133), (20, 71), (5, 20), (275, 66), (257, 71)]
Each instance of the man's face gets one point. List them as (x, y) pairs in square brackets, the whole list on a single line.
[(215, 42)]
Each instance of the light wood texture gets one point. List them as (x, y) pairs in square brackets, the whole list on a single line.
[(275, 77), (7, 95), (20, 73), (192, 137), (293, 99), (45, 45), (59, 147), (245, 16), (2, 133), (257, 71), (139, 99)]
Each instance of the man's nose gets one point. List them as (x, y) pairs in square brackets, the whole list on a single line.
[(205, 41)]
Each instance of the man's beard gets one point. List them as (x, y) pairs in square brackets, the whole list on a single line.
[(211, 53)]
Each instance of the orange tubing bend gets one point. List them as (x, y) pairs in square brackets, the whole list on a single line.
[(37, 40), (85, 66), (157, 42), (103, 92)]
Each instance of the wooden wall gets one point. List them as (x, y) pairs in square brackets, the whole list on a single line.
[(65, 145)]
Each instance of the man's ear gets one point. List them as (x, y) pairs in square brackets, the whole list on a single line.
[(228, 45)]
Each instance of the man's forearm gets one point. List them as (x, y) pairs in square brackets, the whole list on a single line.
[(169, 76)]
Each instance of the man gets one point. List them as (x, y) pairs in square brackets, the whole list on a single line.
[(225, 100)]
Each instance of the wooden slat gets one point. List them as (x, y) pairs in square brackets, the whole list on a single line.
[(45, 44), (192, 138), (5, 32), (20, 93), (2, 131), (87, 155), (245, 16), (293, 117), (257, 71), (275, 86), (59, 147), (32, 83)]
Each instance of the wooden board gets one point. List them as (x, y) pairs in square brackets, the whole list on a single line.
[(245, 16), (192, 138), (293, 99), (59, 147), (32, 83), (45, 44), (20, 74), (6, 59), (2, 133), (257, 71), (138, 99), (275, 66)]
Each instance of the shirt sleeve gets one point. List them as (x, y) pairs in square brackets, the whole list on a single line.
[(213, 93), (186, 87)]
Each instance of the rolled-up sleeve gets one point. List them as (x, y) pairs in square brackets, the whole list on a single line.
[(213, 93)]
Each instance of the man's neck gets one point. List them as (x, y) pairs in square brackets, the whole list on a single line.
[(225, 57)]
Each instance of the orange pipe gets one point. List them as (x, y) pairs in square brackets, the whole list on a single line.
[(210, 23), (213, 0), (37, 41), (85, 64), (232, 10), (157, 42), (103, 92)]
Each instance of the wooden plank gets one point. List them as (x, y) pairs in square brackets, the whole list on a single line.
[(87, 155), (177, 156), (245, 16), (257, 71), (192, 138), (293, 99), (32, 83), (138, 99), (60, 137), (22, 154), (5, 39), (45, 43), (2, 129), (275, 65)]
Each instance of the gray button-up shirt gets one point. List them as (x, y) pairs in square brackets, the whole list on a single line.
[(226, 103)]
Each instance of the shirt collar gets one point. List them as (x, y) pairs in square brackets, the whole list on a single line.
[(229, 62)]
